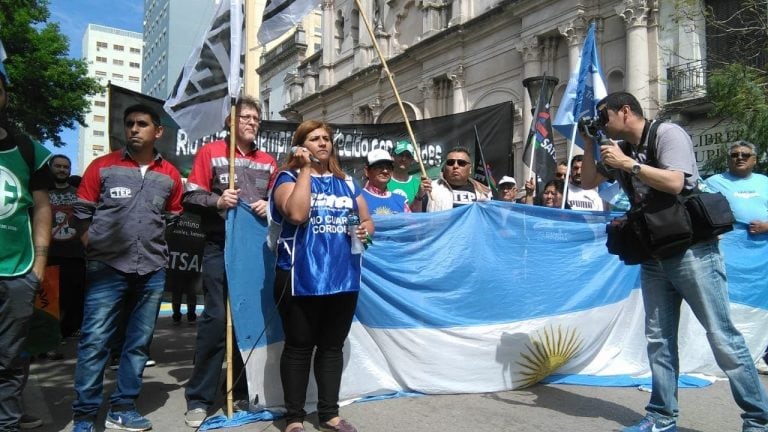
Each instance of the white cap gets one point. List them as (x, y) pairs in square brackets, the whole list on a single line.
[(507, 179), (378, 155)]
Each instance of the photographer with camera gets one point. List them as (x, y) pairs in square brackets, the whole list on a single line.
[(648, 172)]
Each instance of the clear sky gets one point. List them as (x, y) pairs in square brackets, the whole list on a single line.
[(73, 16)]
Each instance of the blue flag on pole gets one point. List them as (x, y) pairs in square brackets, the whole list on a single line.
[(585, 88), (3, 56)]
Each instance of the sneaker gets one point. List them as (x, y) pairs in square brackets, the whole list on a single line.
[(29, 422), (195, 417), (761, 366), (342, 426), (83, 426), (649, 424), (150, 363), (127, 420)]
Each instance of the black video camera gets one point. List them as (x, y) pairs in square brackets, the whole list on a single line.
[(590, 125)]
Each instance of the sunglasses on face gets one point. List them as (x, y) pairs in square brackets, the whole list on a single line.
[(741, 155), (382, 166), (461, 162)]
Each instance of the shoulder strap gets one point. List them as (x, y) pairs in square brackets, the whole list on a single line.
[(652, 145)]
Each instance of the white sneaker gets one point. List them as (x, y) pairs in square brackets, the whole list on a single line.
[(761, 366), (195, 417)]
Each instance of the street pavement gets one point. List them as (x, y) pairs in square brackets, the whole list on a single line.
[(49, 395)]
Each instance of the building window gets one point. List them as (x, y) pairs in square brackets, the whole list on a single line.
[(118, 47), (98, 133), (134, 65), (133, 79), (135, 51), (101, 73), (117, 62), (97, 147), (101, 59), (101, 45), (99, 118), (100, 103)]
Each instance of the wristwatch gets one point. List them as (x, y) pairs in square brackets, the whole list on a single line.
[(635, 169)]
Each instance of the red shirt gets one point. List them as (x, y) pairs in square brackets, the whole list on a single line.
[(255, 173)]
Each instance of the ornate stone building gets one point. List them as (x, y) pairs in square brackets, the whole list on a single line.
[(449, 56)]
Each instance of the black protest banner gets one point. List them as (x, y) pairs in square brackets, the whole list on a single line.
[(435, 136), (186, 241)]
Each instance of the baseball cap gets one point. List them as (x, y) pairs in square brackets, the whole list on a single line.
[(507, 179), (404, 146), (378, 155)]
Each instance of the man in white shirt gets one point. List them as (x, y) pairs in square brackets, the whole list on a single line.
[(579, 198)]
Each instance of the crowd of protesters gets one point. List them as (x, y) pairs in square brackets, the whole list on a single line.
[(111, 276)]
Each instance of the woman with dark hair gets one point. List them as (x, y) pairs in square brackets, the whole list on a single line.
[(317, 274), (553, 194)]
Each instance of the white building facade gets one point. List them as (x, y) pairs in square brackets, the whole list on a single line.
[(450, 56), (113, 55)]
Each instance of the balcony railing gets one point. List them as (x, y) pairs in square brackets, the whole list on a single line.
[(686, 81)]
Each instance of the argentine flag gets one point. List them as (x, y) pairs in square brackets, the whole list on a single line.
[(487, 297)]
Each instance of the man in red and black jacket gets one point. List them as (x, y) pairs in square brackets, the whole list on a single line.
[(208, 194), (125, 200)]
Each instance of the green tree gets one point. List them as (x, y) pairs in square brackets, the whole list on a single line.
[(737, 63), (739, 94), (48, 91)]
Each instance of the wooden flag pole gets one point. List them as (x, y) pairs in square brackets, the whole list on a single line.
[(394, 87), (229, 339)]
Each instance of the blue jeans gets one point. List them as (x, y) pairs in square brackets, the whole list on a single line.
[(17, 297), (108, 292), (698, 277)]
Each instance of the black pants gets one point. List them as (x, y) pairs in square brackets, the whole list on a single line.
[(71, 292), (183, 283), (210, 344), (309, 322)]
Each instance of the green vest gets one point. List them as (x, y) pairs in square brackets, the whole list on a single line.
[(17, 252)]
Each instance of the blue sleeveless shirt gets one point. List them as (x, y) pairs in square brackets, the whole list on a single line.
[(318, 252)]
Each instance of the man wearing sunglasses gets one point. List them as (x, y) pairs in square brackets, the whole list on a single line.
[(747, 192), (455, 188), (695, 275)]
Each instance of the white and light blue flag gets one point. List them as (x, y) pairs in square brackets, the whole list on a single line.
[(487, 297), (585, 89)]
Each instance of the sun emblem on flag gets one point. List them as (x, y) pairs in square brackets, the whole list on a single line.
[(551, 349)]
